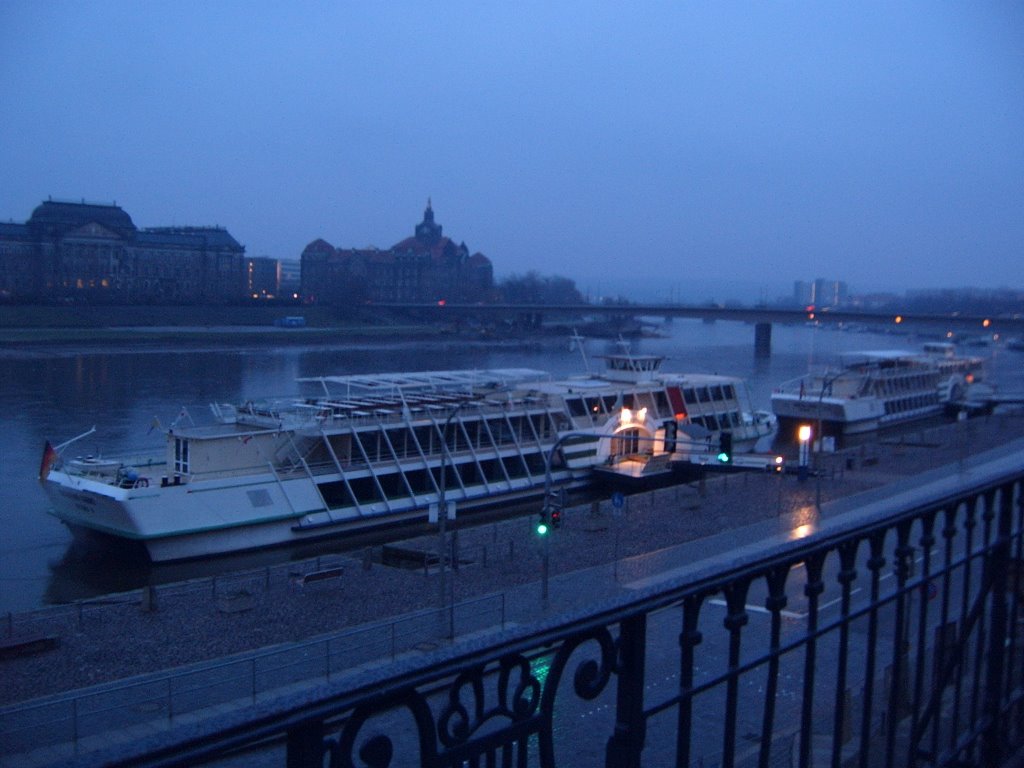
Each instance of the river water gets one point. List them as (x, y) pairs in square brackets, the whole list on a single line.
[(53, 393)]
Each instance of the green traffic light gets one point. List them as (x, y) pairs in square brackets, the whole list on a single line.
[(723, 457), (542, 529)]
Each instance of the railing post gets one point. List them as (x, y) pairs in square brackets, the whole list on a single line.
[(813, 588), (998, 564), (735, 620), (305, 745), (627, 740)]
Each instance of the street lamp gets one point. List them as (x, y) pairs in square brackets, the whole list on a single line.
[(442, 517), (545, 539), (804, 436), (826, 383), (545, 515)]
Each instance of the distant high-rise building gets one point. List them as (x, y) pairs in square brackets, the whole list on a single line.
[(291, 277), (95, 253), (803, 293), (820, 293)]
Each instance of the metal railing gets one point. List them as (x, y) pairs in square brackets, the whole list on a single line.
[(890, 635), (237, 682)]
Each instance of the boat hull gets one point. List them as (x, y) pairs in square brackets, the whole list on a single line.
[(186, 522)]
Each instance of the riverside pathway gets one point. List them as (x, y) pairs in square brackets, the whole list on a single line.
[(135, 634)]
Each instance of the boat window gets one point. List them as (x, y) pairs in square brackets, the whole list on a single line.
[(626, 443), (423, 437), (181, 463), (419, 481), (470, 473), (576, 407), (689, 397), (730, 391), (628, 401), (492, 470), (365, 490), (645, 400), (368, 443), (515, 466), (593, 405), (711, 422), (336, 494), (500, 431), (541, 425), (716, 393), (392, 485), (661, 401), (703, 395), (535, 463), (609, 403)]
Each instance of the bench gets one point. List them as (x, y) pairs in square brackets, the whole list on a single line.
[(12, 647), (318, 577)]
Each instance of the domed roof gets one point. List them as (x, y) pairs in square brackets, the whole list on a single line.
[(55, 217), (319, 246)]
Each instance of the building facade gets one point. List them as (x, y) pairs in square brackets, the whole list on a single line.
[(94, 253), (426, 267), (262, 277)]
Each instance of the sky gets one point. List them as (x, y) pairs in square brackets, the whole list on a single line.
[(654, 150)]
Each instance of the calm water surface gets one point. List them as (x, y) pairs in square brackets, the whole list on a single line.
[(54, 395)]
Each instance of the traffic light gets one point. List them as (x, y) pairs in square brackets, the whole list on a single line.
[(543, 523), (725, 448), (556, 518)]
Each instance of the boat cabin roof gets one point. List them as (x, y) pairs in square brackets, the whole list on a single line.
[(495, 378)]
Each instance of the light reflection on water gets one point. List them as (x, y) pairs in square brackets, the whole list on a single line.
[(54, 394)]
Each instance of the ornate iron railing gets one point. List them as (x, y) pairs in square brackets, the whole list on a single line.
[(891, 634)]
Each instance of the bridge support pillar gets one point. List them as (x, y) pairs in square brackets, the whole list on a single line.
[(762, 340)]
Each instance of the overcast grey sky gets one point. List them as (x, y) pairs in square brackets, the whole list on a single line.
[(663, 150)]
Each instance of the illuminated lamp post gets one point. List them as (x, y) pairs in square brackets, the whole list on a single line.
[(804, 436), (626, 418), (442, 517), (826, 384)]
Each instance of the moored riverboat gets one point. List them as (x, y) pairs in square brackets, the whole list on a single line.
[(371, 450), (871, 391)]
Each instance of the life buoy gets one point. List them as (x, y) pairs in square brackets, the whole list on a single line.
[(142, 482)]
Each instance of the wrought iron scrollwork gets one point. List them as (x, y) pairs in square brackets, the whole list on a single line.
[(484, 709)]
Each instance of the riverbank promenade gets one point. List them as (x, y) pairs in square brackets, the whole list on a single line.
[(141, 665)]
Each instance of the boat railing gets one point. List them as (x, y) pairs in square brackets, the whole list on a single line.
[(831, 383), (113, 468), (383, 416)]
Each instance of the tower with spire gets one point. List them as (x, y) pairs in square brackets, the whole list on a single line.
[(427, 231)]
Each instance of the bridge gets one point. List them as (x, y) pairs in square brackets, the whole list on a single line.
[(762, 318), (887, 632)]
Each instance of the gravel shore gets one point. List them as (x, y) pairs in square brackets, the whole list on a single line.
[(127, 635)]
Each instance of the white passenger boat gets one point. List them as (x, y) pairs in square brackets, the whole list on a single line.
[(370, 450), (869, 391)]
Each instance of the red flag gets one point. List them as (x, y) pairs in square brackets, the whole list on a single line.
[(49, 456)]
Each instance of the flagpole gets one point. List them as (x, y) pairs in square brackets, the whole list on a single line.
[(65, 444)]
